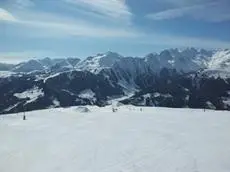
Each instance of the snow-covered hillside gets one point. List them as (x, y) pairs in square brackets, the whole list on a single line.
[(6, 74), (130, 140)]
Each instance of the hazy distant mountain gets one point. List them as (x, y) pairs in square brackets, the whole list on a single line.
[(185, 60), (46, 64), (6, 67)]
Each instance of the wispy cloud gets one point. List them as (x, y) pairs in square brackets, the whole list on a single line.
[(211, 12), (117, 9), (6, 16), (171, 41), (54, 24), (40, 24), (166, 41), (19, 56), (23, 3), (173, 13), (183, 3)]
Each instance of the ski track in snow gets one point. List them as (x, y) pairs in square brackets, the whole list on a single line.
[(130, 140)]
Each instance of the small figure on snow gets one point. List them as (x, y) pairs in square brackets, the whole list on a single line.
[(24, 117), (114, 110)]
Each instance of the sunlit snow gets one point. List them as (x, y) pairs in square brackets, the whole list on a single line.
[(130, 140), (32, 94)]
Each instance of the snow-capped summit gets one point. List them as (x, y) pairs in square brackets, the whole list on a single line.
[(46, 62), (219, 64), (29, 66), (220, 60), (185, 60), (64, 65), (182, 60), (73, 61), (96, 63)]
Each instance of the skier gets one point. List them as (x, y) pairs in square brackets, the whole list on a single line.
[(24, 117)]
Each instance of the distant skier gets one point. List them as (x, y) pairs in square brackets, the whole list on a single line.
[(24, 117), (114, 110)]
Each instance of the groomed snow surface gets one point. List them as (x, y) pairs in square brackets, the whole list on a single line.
[(129, 140)]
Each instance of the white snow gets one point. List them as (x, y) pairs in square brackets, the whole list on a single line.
[(219, 65), (69, 72), (115, 101), (101, 61), (29, 66), (156, 94), (130, 140), (222, 73), (145, 96), (186, 60), (6, 74), (226, 101), (172, 62), (32, 94), (148, 95), (210, 105), (87, 94), (187, 98), (56, 103), (11, 107), (220, 60), (69, 92), (82, 109), (52, 76)]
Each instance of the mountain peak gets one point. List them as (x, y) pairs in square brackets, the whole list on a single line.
[(99, 62), (151, 55), (29, 66), (111, 54)]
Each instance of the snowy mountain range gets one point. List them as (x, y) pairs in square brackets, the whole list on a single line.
[(185, 60), (46, 64), (195, 78)]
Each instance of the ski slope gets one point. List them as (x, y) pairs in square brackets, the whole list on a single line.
[(130, 140)]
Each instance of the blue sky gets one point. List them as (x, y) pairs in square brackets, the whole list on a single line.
[(79, 28)]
